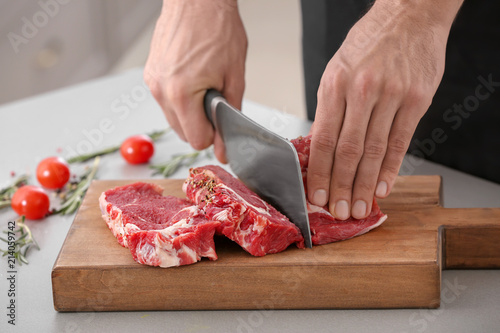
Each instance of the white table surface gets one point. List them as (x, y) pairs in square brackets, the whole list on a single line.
[(37, 127)]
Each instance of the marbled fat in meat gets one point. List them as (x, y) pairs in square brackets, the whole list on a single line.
[(158, 230), (244, 217)]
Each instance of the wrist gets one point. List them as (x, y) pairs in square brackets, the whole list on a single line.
[(436, 15), (229, 3)]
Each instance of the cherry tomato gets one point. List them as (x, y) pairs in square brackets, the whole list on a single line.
[(137, 149), (53, 172), (30, 201)]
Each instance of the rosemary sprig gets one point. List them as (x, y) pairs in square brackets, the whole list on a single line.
[(19, 246), (155, 135), (86, 157), (73, 196), (168, 168), (7, 192), (83, 158)]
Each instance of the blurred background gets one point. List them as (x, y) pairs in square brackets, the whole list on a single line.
[(50, 44)]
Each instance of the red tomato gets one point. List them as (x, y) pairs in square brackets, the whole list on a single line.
[(137, 149), (53, 172), (30, 201)]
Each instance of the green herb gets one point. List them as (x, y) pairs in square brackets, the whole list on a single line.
[(168, 168), (83, 158), (73, 196), (19, 240), (7, 192)]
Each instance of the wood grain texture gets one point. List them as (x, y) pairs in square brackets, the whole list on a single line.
[(396, 265)]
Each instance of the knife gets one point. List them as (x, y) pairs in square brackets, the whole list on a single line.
[(266, 162)]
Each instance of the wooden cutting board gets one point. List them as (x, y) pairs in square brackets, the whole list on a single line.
[(397, 265)]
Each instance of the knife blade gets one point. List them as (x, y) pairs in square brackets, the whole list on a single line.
[(266, 162)]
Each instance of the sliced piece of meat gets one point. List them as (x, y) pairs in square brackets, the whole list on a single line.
[(324, 227), (159, 230), (244, 217)]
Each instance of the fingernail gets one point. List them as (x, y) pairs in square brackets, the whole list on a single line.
[(342, 210), (359, 209), (381, 190), (319, 198)]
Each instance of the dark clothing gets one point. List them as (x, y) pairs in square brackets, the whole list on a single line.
[(461, 129)]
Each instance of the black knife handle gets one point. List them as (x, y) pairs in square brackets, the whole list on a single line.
[(208, 102)]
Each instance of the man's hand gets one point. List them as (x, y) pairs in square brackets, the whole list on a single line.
[(196, 45), (371, 97)]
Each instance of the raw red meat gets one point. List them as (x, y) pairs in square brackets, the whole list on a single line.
[(159, 230), (324, 227), (168, 231), (244, 217)]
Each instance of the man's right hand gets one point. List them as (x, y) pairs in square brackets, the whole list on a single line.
[(196, 45)]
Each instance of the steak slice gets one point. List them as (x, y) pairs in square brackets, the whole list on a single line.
[(244, 217), (324, 227), (158, 230)]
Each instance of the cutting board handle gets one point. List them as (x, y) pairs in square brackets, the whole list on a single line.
[(471, 238)]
